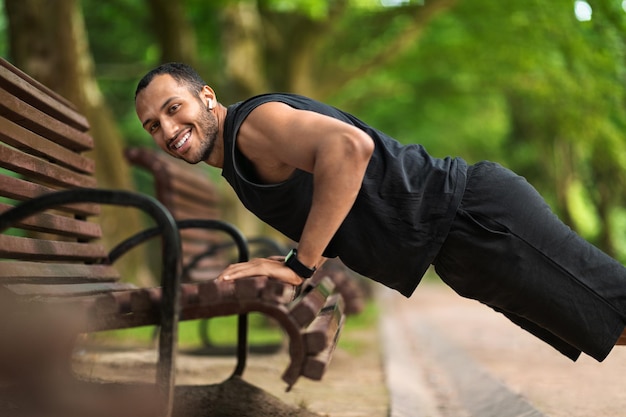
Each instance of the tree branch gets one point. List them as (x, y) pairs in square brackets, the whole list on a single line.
[(421, 16)]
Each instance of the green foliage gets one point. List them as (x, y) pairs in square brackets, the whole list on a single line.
[(121, 41), (522, 82), (367, 320), (315, 9), (4, 41), (222, 330)]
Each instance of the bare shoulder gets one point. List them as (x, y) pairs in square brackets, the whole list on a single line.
[(274, 117), (275, 123), (277, 133), (264, 141), (276, 136)]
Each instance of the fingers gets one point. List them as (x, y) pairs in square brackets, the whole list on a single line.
[(269, 267), (251, 268)]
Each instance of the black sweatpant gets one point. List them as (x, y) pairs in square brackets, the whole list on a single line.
[(508, 250)]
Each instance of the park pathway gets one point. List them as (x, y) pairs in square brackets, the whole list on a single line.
[(446, 356)]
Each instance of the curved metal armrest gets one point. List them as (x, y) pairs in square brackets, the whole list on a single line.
[(244, 254), (238, 238)]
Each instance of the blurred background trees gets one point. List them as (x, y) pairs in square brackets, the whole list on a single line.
[(537, 86)]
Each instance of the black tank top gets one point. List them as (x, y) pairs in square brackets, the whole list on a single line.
[(399, 220)]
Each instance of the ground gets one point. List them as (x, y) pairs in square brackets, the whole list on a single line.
[(352, 387), (552, 383)]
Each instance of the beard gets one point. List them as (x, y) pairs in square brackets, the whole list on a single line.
[(207, 131)]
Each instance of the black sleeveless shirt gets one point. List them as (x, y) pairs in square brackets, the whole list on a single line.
[(399, 220)]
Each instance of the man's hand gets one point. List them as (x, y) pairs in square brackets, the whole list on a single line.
[(272, 267)]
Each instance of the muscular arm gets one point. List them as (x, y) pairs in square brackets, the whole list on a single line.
[(279, 139)]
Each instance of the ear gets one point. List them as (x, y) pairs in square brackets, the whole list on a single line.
[(208, 96)]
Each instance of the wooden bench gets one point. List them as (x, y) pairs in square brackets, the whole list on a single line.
[(57, 280), (189, 193)]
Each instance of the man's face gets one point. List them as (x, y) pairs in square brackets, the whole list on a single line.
[(177, 119)]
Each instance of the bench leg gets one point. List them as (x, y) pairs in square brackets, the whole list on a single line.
[(242, 344)]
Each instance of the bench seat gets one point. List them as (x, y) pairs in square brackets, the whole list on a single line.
[(57, 279)]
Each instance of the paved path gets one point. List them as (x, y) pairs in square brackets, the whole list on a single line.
[(451, 357)]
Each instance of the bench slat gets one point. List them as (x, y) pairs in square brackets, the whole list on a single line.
[(194, 248), (199, 235), (38, 95), (23, 139), (200, 189), (180, 175), (278, 292), (38, 249), (39, 272), (41, 170), (22, 190), (185, 207), (306, 308), (315, 366), (175, 178), (324, 327), (61, 225), (39, 122), (67, 290)]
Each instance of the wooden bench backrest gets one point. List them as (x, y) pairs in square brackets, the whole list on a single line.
[(188, 193), (42, 143)]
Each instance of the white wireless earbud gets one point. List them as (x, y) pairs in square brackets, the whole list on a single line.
[(210, 104)]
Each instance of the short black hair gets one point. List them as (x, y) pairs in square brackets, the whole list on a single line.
[(182, 73)]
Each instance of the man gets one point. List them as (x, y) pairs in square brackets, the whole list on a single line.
[(341, 188)]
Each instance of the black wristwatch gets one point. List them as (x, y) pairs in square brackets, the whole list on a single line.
[(292, 262)]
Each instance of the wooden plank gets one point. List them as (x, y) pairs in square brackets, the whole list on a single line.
[(189, 207), (145, 299), (190, 295), (38, 95), (39, 122), (211, 253), (15, 247), (56, 224), (278, 292), (67, 290), (54, 273), (306, 307), (315, 366), (204, 237), (203, 247), (180, 171), (214, 291), (190, 186), (324, 327), (40, 170), (174, 178), (113, 303), (22, 190), (249, 288), (25, 140)]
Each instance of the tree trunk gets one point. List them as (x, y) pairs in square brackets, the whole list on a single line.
[(174, 31), (48, 41)]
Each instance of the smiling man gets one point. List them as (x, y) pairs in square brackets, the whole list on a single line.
[(341, 188)]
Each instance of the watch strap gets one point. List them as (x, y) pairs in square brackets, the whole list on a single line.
[(292, 262)]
